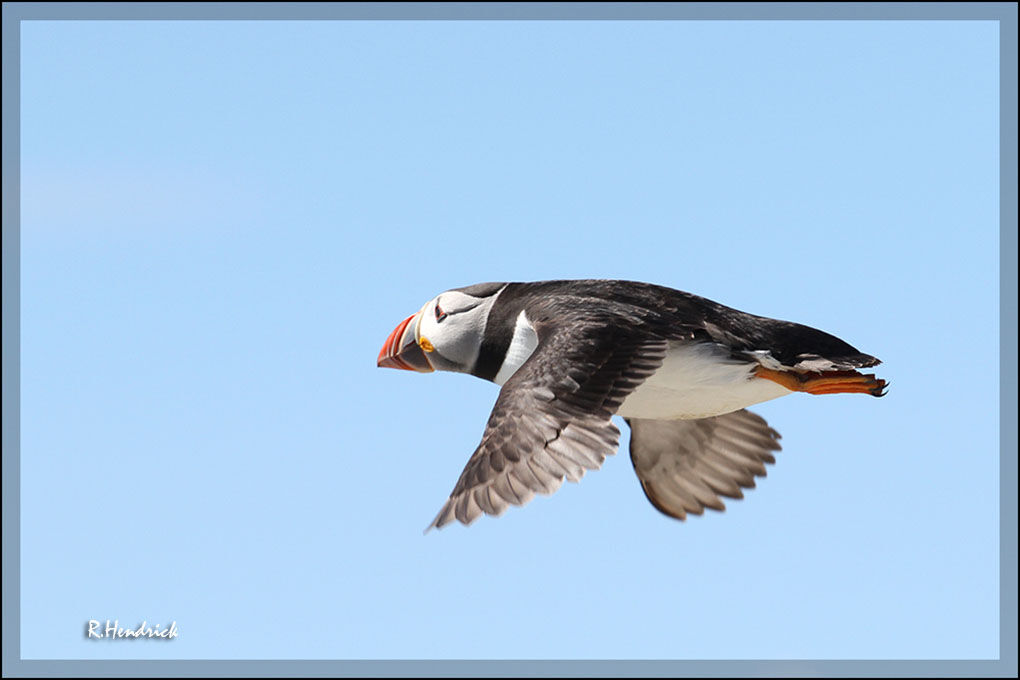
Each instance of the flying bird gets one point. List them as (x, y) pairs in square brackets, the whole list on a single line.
[(680, 369)]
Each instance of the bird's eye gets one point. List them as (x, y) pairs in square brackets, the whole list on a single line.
[(440, 314)]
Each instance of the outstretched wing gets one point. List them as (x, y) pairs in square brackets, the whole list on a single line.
[(553, 417), (685, 465)]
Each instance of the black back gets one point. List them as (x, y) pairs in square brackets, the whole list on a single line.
[(661, 312)]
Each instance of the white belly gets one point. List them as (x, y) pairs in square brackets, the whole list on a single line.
[(698, 381)]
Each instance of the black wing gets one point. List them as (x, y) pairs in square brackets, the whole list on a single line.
[(685, 465), (553, 417)]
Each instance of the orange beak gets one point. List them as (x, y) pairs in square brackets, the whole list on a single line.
[(401, 349)]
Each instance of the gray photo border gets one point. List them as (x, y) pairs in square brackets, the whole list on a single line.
[(16, 12)]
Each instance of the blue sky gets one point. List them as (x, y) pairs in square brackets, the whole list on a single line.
[(222, 221)]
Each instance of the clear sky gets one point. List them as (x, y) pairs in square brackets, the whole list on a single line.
[(222, 222)]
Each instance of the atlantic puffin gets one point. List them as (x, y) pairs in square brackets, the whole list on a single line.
[(569, 355)]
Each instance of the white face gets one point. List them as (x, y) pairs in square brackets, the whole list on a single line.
[(453, 324)]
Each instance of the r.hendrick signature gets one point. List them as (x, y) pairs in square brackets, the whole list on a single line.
[(114, 632)]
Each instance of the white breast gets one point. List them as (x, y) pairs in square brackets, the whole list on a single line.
[(698, 381), (523, 343)]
